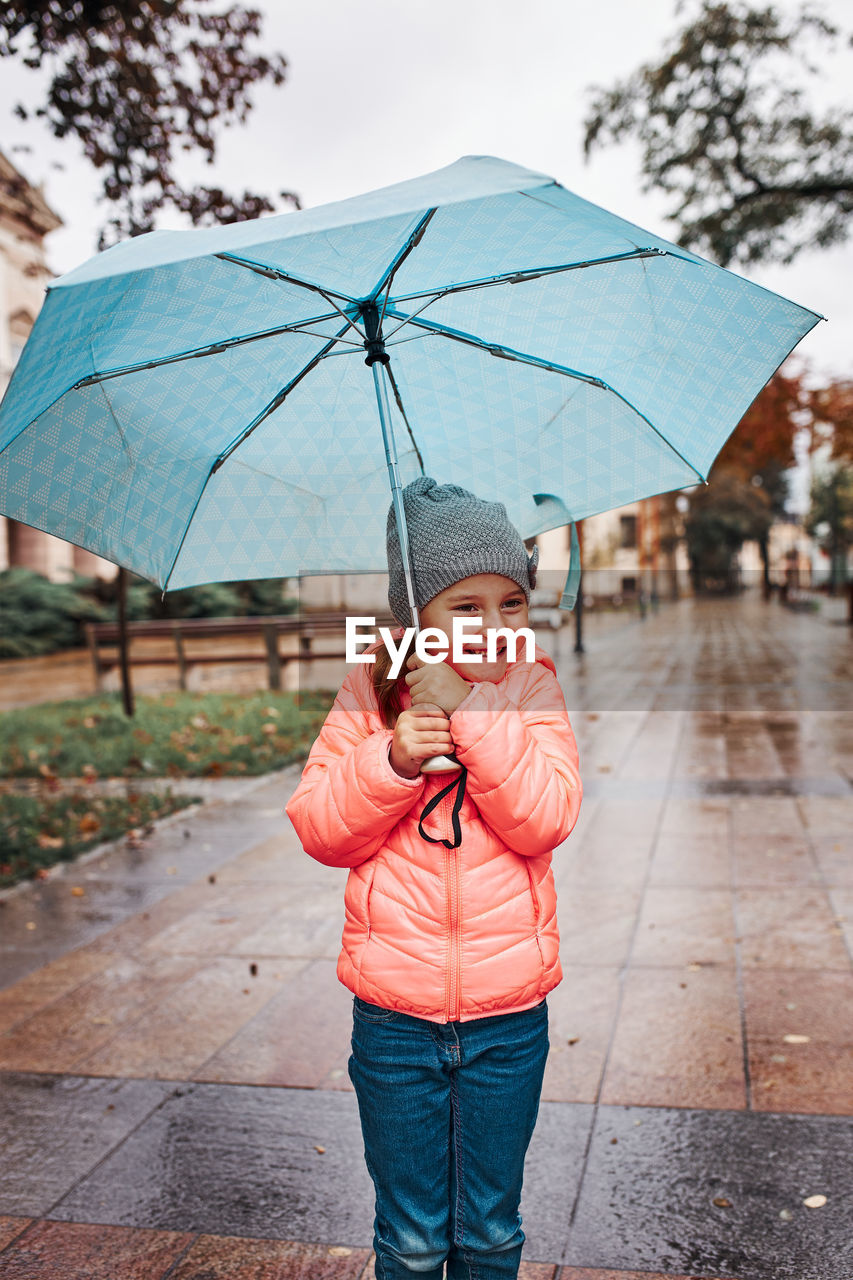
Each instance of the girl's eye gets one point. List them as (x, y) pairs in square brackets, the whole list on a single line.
[(513, 604)]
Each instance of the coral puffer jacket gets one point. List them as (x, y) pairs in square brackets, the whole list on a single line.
[(447, 934)]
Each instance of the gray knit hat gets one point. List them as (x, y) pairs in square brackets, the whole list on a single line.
[(452, 535)]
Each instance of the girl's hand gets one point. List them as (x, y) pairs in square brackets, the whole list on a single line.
[(421, 732), (436, 683)]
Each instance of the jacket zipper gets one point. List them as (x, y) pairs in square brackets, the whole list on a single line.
[(454, 913)]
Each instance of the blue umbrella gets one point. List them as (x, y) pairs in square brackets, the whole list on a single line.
[(194, 405)]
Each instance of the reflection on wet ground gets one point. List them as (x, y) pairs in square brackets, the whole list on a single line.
[(173, 1042)]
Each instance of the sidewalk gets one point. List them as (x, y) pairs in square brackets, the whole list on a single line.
[(174, 1103)]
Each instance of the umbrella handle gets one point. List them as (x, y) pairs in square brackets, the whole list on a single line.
[(441, 764)]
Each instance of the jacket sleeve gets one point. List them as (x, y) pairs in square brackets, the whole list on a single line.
[(522, 762), (349, 797)]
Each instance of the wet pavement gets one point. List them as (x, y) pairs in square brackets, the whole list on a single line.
[(174, 1103)]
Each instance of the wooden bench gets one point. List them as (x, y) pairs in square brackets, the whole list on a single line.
[(102, 639)]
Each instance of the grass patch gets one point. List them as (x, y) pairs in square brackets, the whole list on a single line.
[(41, 828), (179, 735), (175, 735)]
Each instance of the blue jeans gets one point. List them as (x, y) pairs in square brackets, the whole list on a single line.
[(447, 1113)]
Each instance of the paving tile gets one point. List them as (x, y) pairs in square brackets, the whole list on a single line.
[(652, 752), (596, 924), (237, 1160), (695, 862), (47, 984), (834, 856), (129, 935), (584, 1273), (278, 860), (57, 1128), (308, 923), (789, 928), (677, 1041), (300, 1038), (224, 1258), (813, 1076), (59, 1035), (87, 1251), (841, 901), (765, 817), (614, 849), (189, 1024), (685, 926), (10, 1228), (218, 927), (581, 1014), (647, 1201), (827, 815), (774, 860), (700, 817)]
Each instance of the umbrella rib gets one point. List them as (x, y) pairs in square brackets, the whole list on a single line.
[(213, 349), (411, 243), (507, 353), (399, 400), (273, 273), (534, 273), (277, 400)]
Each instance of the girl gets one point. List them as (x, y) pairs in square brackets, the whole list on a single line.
[(450, 943)]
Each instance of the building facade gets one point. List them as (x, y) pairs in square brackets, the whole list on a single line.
[(26, 220)]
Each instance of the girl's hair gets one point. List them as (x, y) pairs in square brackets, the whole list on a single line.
[(387, 690)]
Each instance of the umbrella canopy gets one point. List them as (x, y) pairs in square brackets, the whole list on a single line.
[(195, 405)]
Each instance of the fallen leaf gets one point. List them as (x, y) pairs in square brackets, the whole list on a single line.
[(50, 842), (339, 1251), (778, 1057), (171, 871), (814, 1202), (790, 1007), (271, 711), (89, 722), (795, 1039), (253, 969), (269, 729), (694, 968), (722, 1203), (573, 1040), (102, 1022), (321, 1151), (31, 924), (89, 824), (786, 1215), (77, 891)]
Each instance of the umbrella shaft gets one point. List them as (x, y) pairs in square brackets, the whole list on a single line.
[(396, 487)]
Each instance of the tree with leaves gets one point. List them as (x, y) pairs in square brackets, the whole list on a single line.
[(139, 84), (748, 484), (756, 171), (830, 517)]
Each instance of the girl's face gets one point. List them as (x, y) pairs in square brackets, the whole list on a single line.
[(492, 601)]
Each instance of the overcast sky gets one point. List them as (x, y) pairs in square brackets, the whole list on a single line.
[(382, 90)]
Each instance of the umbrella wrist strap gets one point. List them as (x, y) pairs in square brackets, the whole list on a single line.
[(458, 784), (573, 578)]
